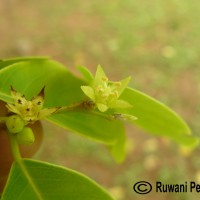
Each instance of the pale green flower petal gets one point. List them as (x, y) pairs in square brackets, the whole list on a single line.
[(29, 111), (88, 77), (13, 109), (102, 107), (120, 104), (88, 91), (99, 76), (38, 102), (124, 84), (18, 98)]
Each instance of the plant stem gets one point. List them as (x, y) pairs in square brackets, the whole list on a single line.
[(18, 159), (86, 105), (15, 148), (69, 108)]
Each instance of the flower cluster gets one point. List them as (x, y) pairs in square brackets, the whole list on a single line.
[(29, 111), (104, 93), (25, 112)]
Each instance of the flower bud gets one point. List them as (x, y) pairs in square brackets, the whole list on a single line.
[(26, 136), (14, 124)]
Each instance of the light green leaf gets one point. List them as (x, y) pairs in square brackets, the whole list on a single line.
[(89, 125), (88, 91), (88, 77), (155, 117), (33, 180), (28, 78), (186, 140), (118, 150), (120, 104), (7, 62)]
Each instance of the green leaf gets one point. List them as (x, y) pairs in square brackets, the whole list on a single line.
[(186, 140), (87, 75), (155, 117), (118, 150), (33, 180), (120, 104), (7, 62), (89, 125), (28, 78)]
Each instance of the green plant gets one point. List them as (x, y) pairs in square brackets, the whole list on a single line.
[(39, 88)]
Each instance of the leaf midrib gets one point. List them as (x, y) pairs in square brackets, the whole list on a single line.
[(29, 179)]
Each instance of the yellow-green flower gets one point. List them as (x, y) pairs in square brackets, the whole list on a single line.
[(104, 93), (29, 111)]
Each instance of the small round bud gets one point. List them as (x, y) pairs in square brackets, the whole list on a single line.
[(14, 124), (26, 136)]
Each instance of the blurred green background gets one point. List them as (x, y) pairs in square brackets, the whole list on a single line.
[(156, 42)]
